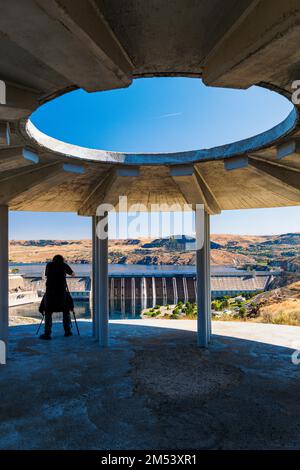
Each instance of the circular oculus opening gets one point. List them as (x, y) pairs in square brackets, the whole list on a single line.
[(162, 121)]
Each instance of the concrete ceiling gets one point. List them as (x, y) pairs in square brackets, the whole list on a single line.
[(50, 47)]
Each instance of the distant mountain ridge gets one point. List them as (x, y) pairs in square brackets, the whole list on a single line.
[(227, 249)]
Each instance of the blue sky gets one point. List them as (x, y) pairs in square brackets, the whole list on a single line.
[(159, 115)]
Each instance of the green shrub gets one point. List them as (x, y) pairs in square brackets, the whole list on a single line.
[(174, 315), (191, 315), (148, 313), (242, 312)]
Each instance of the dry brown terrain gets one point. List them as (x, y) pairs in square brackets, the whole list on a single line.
[(33, 251), (241, 240), (120, 251), (280, 306), (226, 250)]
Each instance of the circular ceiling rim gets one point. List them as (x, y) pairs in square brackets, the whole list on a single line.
[(244, 146)]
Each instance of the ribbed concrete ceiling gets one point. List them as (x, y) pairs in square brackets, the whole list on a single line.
[(174, 37), (48, 47)]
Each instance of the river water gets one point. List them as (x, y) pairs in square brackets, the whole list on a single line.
[(82, 310), (123, 269), (117, 310)]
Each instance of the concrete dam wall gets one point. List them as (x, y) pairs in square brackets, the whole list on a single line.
[(165, 289), (171, 289), (147, 290)]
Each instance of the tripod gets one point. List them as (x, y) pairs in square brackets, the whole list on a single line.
[(43, 317)]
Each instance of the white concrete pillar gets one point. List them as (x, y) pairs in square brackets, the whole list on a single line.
[(4, 273), (175, 290), (112, 293), (153, 292), (94, 277), (203, 281), (133, 302), (208, 297), (101, 284)]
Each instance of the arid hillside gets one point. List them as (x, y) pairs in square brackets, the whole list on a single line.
[(226, 249), (142, 251), (280, 306)]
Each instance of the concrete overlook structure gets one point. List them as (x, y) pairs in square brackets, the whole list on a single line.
[(51, 47)]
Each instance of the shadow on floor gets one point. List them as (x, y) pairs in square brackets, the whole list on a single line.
[(152, 389)]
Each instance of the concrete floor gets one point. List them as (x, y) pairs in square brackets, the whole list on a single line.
[(152, 389)]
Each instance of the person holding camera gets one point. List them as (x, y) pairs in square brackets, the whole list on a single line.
[(57, 297)]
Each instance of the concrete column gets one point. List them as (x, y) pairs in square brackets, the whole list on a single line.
[(203, 282), (94, 277), (208, 297), (4, 273), (101, 283)]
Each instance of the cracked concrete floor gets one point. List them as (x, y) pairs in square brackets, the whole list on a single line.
[(152, 389)]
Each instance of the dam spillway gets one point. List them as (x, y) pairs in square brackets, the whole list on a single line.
[(170, 289), (150, 285)]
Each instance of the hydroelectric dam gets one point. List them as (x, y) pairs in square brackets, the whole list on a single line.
[(150, 285)]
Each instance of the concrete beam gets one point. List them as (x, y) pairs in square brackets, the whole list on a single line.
[(34, 181), (13, 113), (224, 24), (71, 168), (128, 172), (288, 149), (274, 179), (4, 134), (70, 37), (212, 205), (16, 157), (19, 173), (30, 155), (252, 52), (194, 188), (16, 102), (113, 184), (236, 163), (44, 174), (122, 185), (278, 179), (96, 195)]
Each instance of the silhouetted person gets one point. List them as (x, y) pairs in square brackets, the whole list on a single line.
[(57, 297)]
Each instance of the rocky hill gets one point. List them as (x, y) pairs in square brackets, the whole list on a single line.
[(280, 306), (226, 249), (142, 251)]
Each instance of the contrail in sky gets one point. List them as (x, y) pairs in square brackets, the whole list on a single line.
[(169, 115)]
